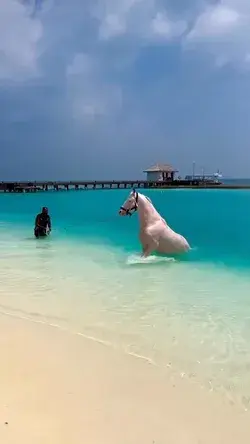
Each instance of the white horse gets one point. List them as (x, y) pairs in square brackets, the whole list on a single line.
[(155, 235)]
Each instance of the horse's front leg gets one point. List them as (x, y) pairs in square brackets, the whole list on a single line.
[(148, 248)]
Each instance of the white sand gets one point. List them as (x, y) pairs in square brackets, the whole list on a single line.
[(58, 388)]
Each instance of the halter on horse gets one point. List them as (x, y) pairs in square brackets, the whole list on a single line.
[(131, 204), (133, 199)]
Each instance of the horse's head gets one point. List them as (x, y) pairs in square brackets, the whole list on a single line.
[(130, 205)]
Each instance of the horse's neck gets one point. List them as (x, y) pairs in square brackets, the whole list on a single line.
[(147, 212)]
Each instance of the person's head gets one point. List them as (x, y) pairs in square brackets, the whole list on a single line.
[(45, 210)]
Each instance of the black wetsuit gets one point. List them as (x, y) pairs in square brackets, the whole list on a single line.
[(42, 223)]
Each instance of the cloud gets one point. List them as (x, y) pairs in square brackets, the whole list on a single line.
[(92, 86), (82, 64), (223, 30), (216, 21), (89, 95), (165, 28), (145, 19), (19, 39), (113, 79), (217, 28)]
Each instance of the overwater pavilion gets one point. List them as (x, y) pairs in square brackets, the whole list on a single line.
[(160, 173)]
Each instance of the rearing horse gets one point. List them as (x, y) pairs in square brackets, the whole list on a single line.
[(155, 235)]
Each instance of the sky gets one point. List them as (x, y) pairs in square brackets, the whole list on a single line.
[(102, 89)]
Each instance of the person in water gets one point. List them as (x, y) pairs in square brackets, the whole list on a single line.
[(42, 223)]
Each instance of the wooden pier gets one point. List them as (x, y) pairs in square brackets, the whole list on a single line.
[(32, 187)]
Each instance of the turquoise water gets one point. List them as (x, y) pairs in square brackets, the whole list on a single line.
[(190, 315)]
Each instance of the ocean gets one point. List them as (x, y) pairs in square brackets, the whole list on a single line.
[(189, 315)]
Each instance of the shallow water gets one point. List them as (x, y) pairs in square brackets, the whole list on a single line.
[(191, 315)]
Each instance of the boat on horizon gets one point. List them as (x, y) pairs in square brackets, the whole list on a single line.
[(207, 178)]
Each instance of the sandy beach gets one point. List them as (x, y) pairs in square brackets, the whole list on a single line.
[(61, 388)]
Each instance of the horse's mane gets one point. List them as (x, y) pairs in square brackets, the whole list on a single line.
[(150, 201), (148, 198)]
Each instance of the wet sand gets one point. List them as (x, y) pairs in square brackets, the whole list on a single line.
[(60, 388)]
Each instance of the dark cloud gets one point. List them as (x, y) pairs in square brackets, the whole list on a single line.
[(103, 89)]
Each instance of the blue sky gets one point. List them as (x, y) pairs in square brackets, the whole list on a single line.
[(105, 88)]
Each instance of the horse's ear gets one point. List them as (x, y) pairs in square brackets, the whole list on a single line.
[(134, 190)]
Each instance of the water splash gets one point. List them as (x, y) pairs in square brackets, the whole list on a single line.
[(139, 260)]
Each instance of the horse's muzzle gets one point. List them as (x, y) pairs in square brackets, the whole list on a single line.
[(122, 212)]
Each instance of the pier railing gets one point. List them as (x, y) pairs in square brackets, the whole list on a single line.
[(28, 187)]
